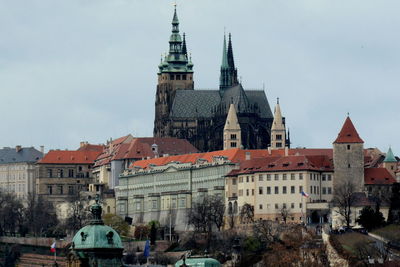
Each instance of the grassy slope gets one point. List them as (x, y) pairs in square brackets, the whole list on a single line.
[(390, 232)]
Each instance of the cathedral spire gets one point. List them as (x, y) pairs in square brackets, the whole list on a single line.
[(278, 129), (228, 76), (184, 50), (232, 131), (175, 22)]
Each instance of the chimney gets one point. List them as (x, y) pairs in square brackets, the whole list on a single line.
[(18, 148), (269, 150), (42, 150), (82, 144), (286, 151), (248, 156)]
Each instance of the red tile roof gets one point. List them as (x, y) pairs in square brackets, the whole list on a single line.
[(378, 176), (285, 163), (69, 157), (234, 155), (348, 134)]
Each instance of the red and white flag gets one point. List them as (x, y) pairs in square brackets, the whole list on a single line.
[(53, 248)]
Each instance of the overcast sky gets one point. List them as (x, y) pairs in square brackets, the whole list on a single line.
[(86, 69)]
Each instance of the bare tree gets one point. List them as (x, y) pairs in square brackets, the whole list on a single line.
[(78, 213), (344, 199), (11, 211), (285, 213), (247, 213)]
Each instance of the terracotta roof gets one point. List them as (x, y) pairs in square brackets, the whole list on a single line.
[(234, 155), (285, 163), (69, 157), (348, 134), (90, 147), (378, 176)]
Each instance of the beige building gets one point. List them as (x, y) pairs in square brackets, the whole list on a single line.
[(63, 174), (17, 169), (274, 186)]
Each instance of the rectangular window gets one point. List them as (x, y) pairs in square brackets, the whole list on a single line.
[(292, 176), (324, 190), (247, 179), (184, 77), (276, 190), (252, 192), (247, 192), (278, 144), (311, 191), (171, 77), (292, 206), (292, 189), (154, 204), (268, 190), (278, 137), (178, 77), (50, 173), (70, 190), (233, 136), (284, 189), (70, 173), (323, 177), (260, 178), (276, 177), (276, 206), (300, 188), (240, 192), (268, 177), (284, 176), (311, 176), (252, 178), (60, 173), (300, 205), (284, 205), (260, 190), (49, 190), (261, 206), (234, 181), (60, 189), (240, 179), (329, 177), (233, 144), (300, 176), (329, 190)]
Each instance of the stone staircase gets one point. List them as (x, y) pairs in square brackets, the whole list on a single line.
[(37, 260)]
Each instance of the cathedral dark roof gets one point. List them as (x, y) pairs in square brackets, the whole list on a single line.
[(201, 103), (194, 103)]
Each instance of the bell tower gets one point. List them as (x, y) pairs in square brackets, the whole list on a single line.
[(175, 73)]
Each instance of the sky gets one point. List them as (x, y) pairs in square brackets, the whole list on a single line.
[(86, 70)]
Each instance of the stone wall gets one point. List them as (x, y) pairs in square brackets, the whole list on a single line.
[(334, 258)]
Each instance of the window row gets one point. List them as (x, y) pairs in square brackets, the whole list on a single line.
[(268, 190), (280, 206)]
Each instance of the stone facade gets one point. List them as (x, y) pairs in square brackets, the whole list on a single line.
[(165, 193), (17, 170)]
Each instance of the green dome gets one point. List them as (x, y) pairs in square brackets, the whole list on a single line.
[(97, 236)]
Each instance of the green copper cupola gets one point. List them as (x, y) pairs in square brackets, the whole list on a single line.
[(177, 58), (390, 156)]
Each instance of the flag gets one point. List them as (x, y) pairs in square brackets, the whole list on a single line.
[(146, 251), (304, 194), (53, 248)]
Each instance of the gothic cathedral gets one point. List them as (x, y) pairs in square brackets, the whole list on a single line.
[(200, 116)]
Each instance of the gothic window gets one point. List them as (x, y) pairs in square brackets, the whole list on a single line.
[(278, 137), (233, 144), (278, 144), (233, 136)]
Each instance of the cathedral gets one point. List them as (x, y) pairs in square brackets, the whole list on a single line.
[(200, 116)]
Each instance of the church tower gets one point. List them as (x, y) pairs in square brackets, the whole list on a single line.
[(232, 131), (228, 75), (390, 162), (175, 72), (348, 157), (278, 129)]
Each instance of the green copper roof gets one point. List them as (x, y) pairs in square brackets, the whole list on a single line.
[(224, 63), (177, 60), (389, 156), (96, 234), (199, 262)]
